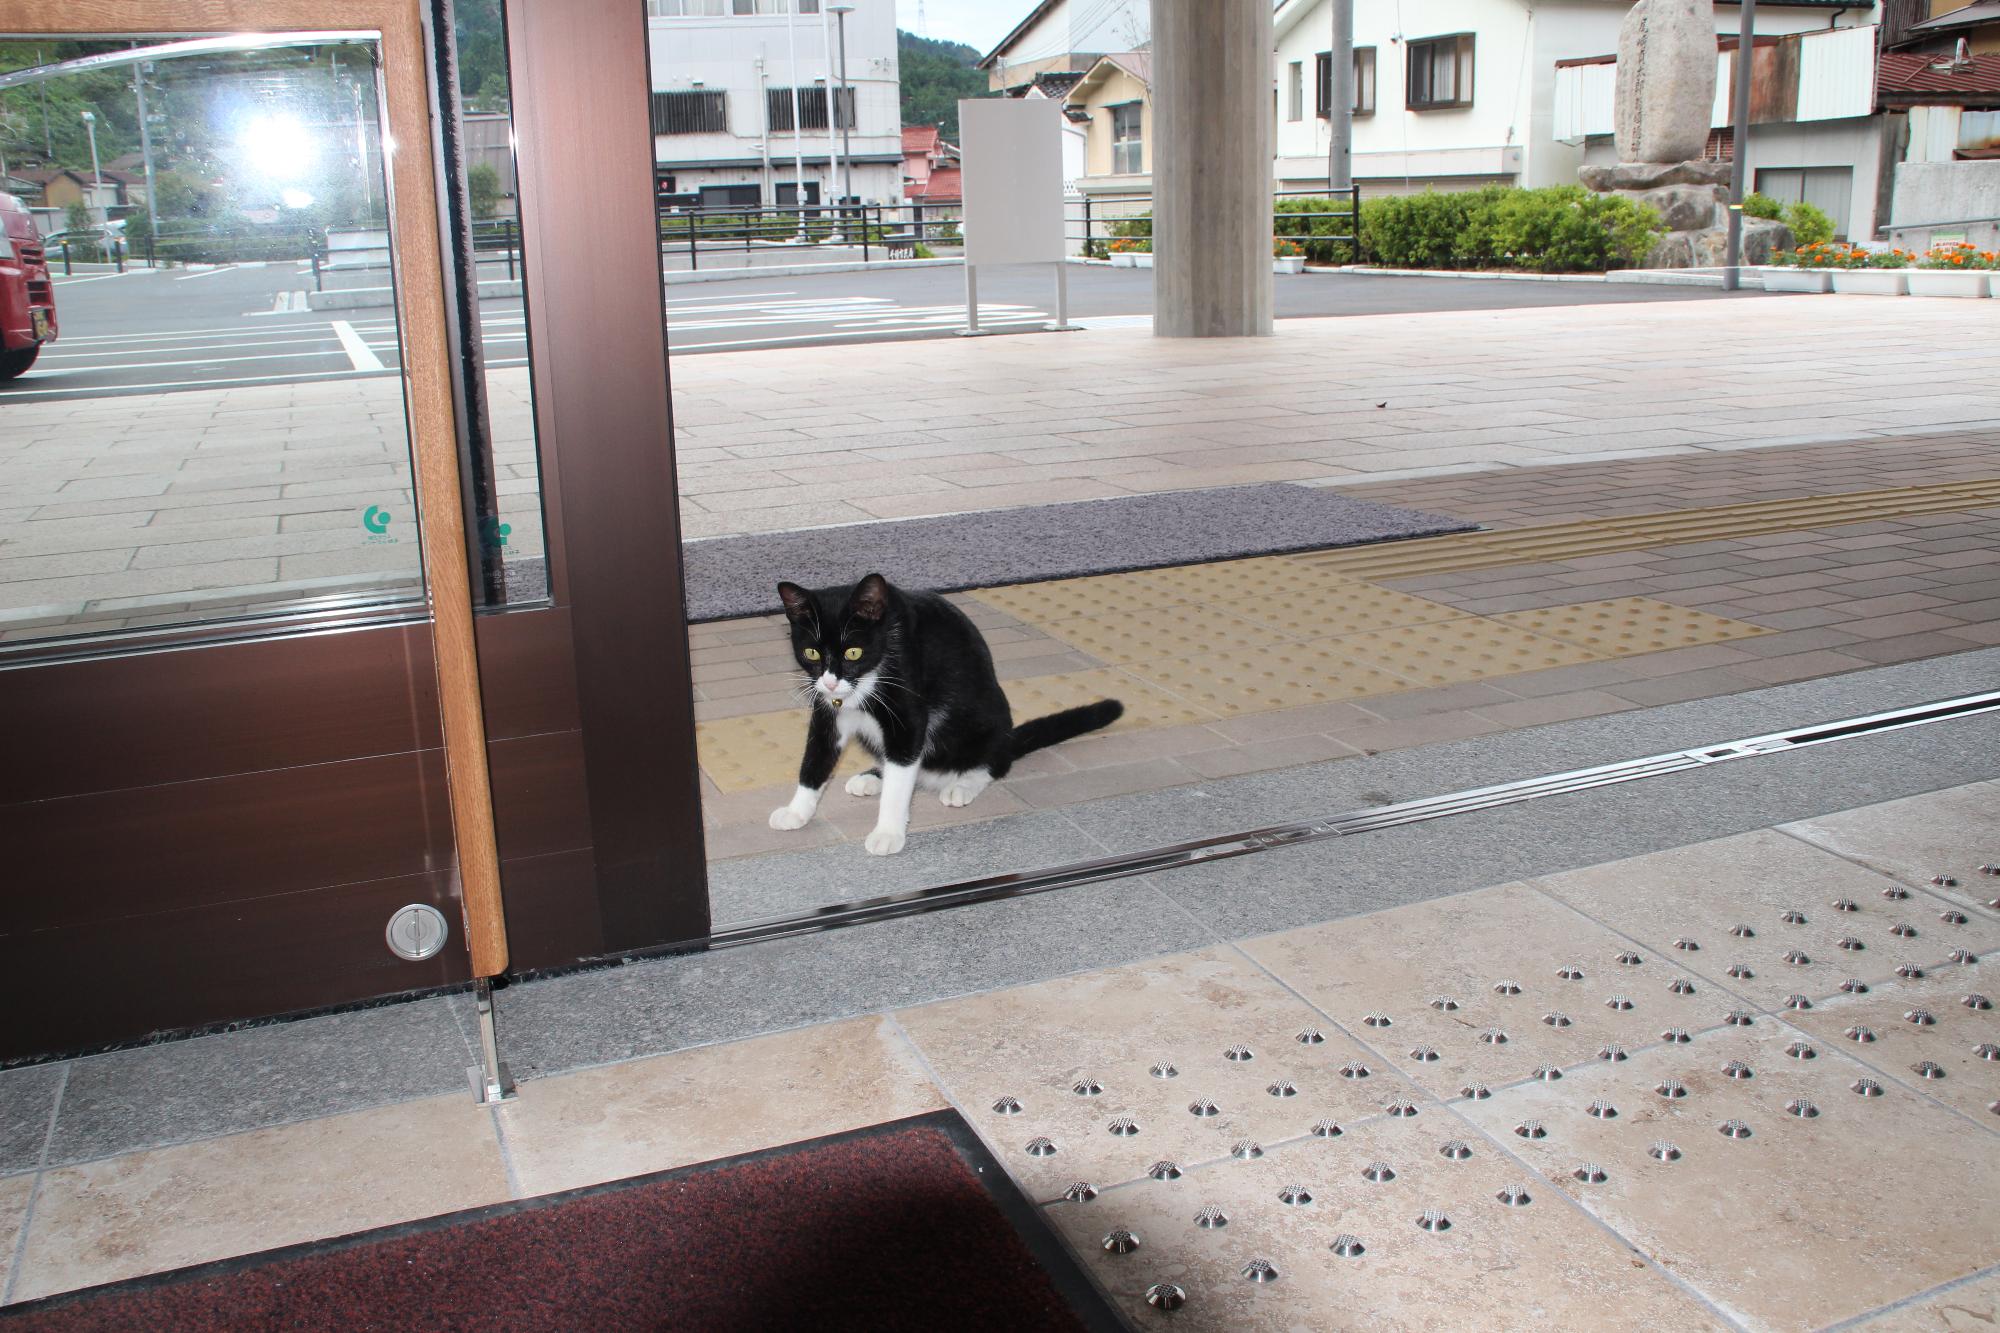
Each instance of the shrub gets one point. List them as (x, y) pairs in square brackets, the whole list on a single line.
[(1557, 229), (1763, 206), (1809, 224), (482, 188), (1317, 234), (1889, 259)]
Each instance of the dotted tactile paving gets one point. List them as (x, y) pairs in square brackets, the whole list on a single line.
[(1877, 1028), (758, 750), (1257, 680), (1448, 651), (1145, 705), (1348, 608), (1067, 599), (1625, 626), (1120, 637), (1233, 581)]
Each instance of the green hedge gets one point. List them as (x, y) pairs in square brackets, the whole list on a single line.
[(1556, 229)]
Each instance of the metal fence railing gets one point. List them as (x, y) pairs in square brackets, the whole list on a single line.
[(1112, 224), (877, 231)]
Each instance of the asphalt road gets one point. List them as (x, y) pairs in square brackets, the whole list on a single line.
[(149, 331)]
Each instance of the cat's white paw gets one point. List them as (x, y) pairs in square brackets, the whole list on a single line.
[(885, 842), (864, 784), (961, 793), (784, 817)]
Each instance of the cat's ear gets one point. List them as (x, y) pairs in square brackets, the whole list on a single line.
[(798, 602), (871, 598)]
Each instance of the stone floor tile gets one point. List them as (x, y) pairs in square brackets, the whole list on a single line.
[(27, 1107), (627, 1119), (167, 1208), (15, 1194), (1877, 1029), (1949, 833), (1962, 1307)]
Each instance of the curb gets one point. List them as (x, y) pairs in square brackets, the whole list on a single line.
[(353, 298), (1658, 277)]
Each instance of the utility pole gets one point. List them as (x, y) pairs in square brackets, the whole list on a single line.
[(832, 138), (840, 13), (798, 132), (1739, 142), (146, 150), (1340, 100)]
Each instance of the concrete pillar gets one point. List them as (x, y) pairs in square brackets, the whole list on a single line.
[(1211, 143)]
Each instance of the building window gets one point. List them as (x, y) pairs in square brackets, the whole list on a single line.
[(1128, 144), (812, 108), (1440, 73), (693, 112), (1364, 83), (1297, 106)]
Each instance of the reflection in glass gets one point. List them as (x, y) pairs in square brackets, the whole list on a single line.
[(213, 426)]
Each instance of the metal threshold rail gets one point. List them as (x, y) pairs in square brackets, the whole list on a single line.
[(1352, 822)]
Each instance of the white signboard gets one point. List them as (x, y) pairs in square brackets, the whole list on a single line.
[(1011, 151)]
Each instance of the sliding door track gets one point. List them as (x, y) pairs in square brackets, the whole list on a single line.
[(1352, 822)]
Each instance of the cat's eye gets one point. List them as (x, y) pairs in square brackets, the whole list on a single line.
[(854, 654), (812, 654)]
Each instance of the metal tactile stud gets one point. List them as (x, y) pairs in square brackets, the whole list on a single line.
[(1515, 1196), (1672, 1089), (1601, 1110), (1734, 1129), (1849, 943), (1556, 1019), (1124, 1127), (1743, 932), (1736, 1069), (1327, 1129), (1923, 1018), (1866, 1087), (1164, 1070), (1986, 1050), (1854, 986), (1570, 973), (1797, 957), (1433, 1219), (1120, 1241), (1261, 1271), (1975, 1000), (1739, 1018), (1531, 1129), (1630, 959), (1506, 988), (1402, 1110), (1378, 1172), (1904, 929), (1164, 1170), (1284, 1087), (1944, 881), (1478, 1092), (1309, 1037), (1245, 1150), (1211, 1218), (1080, 1191), (1741, 971), (1590, 1173), (1792, 916), (1859, 1033), (1927, 1069), (1961, 956), (1797, 1002), (1801, 1050), (1347, 1245), (1611, 1054), (1895, 893), (1203, 1107), (1239, 1054), (1455, 1150), (1676, 1037), (1165, 1296), (1953, 917), (1619, 1002), (1354, 1069), (1007, 1106), (1298, 1196), (1378, 1020), (1681, 986), (1493, 1037), (1686, 945), (1846, 905), (1546, 1073), (1424, 1054), (1087, 1087), (1909, 972), (1041, 1148), (1664, 1152), (1443, 1004), (1801, 1108), (1989, 869)]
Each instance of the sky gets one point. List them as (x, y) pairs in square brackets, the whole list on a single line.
[(980, 23)]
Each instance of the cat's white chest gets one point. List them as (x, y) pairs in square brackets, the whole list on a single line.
[(858, 724)]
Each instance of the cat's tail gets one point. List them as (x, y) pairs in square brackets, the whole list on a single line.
[(1056, 728)]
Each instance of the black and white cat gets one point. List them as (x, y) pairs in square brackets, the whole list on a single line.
[(910, 677)]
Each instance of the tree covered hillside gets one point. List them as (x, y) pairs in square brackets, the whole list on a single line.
[(935, 75)]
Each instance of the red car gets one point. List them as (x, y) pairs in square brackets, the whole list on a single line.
[(27, 297)]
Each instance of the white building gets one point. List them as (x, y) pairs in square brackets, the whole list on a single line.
[(1454, 94), (1066, 36), (725, 76)]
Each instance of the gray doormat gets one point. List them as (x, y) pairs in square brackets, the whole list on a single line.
[(728, 577)]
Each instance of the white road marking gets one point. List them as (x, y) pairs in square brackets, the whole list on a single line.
[(206, 273), (359, 352), (62, 281)]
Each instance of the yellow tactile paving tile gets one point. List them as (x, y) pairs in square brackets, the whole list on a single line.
[(1348, 609), (1146, 705), (1230, 581), (1258, 680), (1119, 637), (1626, 626), (1449, 651), (1066, 599)]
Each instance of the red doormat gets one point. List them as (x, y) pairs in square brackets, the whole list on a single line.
[(908, 1225)]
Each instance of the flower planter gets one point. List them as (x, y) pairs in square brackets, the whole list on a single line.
[(1124, 260), (1871, 281), (1798, 279), (1289, 264), (1145, 260), (1947, 282)]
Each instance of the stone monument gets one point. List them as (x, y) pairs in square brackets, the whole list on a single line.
[(1662, 102)]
